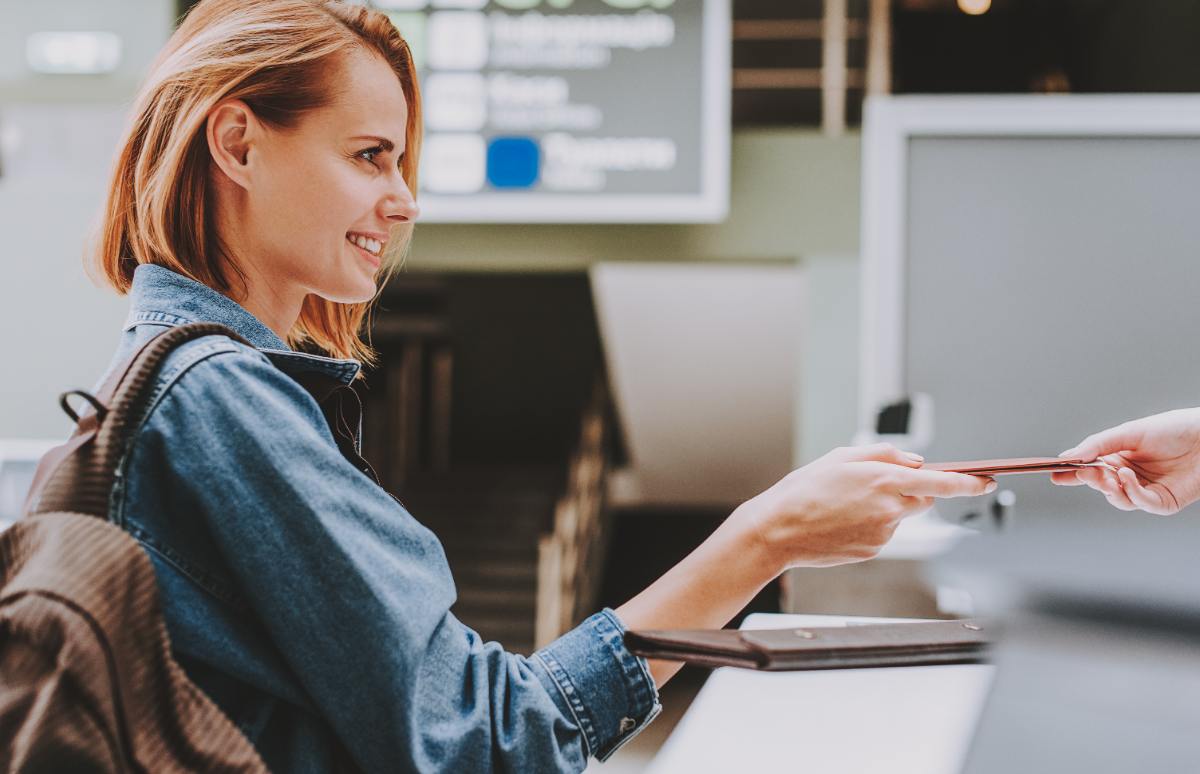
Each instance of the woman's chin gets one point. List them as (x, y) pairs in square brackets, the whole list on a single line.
[(350, 292)]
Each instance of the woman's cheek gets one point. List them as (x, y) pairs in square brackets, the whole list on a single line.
[(359, 194)]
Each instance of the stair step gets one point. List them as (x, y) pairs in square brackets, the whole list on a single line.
[(495, 571), (461, 548), (491, 477), (533, 520), (489, 530), (497, 598)]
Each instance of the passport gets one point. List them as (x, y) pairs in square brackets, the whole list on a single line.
[(1007, 467)]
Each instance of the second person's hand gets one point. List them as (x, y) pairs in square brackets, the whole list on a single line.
[(1153, 463)]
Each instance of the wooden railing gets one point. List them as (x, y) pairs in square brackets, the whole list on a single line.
[(571, 556)]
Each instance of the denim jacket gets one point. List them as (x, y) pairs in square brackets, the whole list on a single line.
[(307, 602)]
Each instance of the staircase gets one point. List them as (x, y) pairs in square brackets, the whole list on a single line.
[(493, 429), (490, 521)]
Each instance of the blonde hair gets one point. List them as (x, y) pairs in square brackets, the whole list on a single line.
[(277, 56)]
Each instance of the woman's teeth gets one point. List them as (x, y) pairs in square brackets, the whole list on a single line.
[(372, 246)]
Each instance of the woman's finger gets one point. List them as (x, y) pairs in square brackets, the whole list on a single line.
[(1114, 461), (1102, 480), (1120, 501), (935, 483), (1145, 498), (1066, 478), (1115, 493), (882, 452), (1110, 482)]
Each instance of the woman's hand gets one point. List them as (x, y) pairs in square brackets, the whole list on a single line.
[(845, 506), (841, 508), (1154, 463)]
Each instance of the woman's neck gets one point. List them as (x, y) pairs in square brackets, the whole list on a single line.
[(276, 300), (273, 300)]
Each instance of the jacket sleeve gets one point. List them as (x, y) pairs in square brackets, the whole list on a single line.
[(356, 594)]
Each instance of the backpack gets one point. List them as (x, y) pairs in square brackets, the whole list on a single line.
[(87, 679)]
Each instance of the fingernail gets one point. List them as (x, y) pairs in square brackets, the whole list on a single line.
[(990, 488), (914, 456), (1069, 452)]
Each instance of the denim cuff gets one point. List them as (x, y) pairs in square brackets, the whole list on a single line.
[(607, 689)]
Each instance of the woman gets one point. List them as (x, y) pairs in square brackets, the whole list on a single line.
[(267, 183)]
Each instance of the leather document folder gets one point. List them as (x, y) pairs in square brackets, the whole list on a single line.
[(837, 647)]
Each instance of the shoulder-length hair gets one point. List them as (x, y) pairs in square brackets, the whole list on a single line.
[(277, 56)]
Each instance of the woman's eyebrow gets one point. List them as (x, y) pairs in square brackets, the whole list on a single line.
[(382, 142)]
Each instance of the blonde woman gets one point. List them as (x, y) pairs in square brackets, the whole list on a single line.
[(266, 183)]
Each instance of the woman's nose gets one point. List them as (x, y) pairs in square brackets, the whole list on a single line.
[(401, 206)]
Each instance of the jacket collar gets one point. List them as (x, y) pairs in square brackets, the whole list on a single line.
[(160, 296)]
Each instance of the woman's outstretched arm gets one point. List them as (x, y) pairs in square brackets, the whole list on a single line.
[(841, 508)]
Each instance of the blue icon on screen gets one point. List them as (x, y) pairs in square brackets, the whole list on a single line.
[(513, 162)]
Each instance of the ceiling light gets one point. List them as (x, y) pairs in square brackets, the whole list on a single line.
[(974, 7), (73, 53)]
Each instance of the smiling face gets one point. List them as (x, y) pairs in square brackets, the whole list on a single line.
[(321, 198)]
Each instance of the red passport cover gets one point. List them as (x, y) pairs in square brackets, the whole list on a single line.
[(1008, 467)]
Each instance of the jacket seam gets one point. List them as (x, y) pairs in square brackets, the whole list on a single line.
[(138, 318), (566, 687), (640, 688), (169, 379), (638, 682), (190, 571)]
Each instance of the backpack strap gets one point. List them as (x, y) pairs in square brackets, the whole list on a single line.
[(79, 475)]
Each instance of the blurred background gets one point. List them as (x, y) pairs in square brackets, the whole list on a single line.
[(673, 249)]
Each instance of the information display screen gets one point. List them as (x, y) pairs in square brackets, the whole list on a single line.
[(540, 111)]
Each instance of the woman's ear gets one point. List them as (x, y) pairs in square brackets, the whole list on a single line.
[(231, 131)]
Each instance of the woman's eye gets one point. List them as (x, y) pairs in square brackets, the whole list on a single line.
[(369, 154)]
